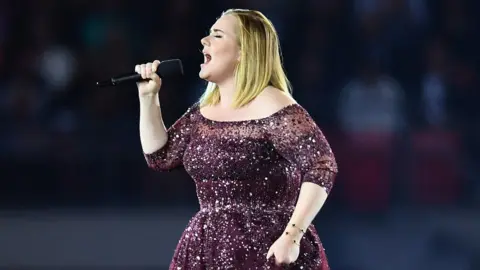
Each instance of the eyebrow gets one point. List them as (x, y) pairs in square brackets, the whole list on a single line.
[(216, 30)]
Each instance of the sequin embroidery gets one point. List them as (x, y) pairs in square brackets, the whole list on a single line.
[(247, 175)]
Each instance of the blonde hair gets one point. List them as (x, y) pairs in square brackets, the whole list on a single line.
[(260, 62)]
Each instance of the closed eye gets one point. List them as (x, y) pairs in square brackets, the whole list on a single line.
[(215, 36), (215, 33)]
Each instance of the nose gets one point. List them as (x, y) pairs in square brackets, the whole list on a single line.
[(204, 41)]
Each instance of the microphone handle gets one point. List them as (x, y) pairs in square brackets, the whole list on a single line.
[(166, 68), (129, 77), (135, 77)]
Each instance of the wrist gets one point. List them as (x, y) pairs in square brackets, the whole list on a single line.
[(294, 232), (148, 99), (148, 96), (294, 238)]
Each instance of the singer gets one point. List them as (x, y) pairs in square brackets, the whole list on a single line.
[(261, 166)]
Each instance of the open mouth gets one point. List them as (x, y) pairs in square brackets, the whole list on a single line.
[(207, 58)]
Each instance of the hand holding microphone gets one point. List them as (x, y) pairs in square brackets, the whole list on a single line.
[(147, 73), (151, 83)]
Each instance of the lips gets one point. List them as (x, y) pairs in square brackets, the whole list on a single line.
[(206, 58)]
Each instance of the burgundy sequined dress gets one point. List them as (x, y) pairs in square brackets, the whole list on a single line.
[(247, 176)]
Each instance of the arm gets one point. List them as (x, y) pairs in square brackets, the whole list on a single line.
[(310, 201), (163, 148), (298, 139), (153, 134)]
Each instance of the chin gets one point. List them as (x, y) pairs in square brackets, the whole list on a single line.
[(206, 75), (203, 75), (210, 75)]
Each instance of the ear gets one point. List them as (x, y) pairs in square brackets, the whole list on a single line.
[(239, 55)]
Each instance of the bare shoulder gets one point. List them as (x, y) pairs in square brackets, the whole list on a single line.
[(271, 100)]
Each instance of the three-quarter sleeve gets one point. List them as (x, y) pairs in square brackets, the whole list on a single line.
[(170, 155), (297, 138)]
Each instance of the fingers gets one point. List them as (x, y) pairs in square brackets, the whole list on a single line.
[(143, 71), (281, 263), (155, 65), (269, 253), (140, 69), (147, 71), (279, 260)]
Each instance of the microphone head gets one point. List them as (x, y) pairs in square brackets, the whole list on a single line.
[(169, 68)]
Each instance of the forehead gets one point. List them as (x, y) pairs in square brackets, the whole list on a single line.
[(226, 23)]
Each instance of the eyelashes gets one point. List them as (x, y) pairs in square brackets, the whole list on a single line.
[(210, 34)]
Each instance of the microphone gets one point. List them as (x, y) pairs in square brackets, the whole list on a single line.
[(167, 68)]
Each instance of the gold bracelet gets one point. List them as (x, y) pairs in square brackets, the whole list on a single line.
[(300, 229), (294, 241)]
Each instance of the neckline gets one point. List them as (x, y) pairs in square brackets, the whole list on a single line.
[(283, 109)]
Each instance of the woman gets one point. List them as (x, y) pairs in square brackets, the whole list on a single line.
[(261, 166)]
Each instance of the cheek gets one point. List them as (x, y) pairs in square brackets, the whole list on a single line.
[(228, 53), (229, 57)]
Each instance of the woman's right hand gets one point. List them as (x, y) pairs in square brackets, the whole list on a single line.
[(152, 86)]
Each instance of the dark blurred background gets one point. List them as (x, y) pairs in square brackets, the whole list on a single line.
[(392, 83)]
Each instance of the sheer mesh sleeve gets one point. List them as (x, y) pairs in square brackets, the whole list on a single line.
[(170, 155), (297, 138)]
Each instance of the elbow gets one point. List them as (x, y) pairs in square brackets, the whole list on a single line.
[(159, 167), (158, 161), (323, 178)]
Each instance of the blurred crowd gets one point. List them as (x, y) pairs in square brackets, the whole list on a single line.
[(389, 81)]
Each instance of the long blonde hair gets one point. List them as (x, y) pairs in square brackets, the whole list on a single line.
[(260, 62)]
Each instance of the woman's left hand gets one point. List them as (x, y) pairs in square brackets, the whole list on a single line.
[(285, 250)]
